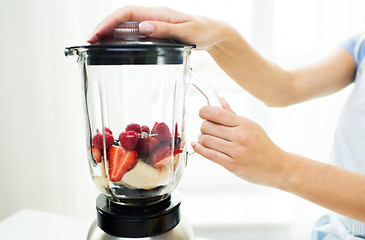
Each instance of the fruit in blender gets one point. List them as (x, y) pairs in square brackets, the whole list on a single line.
[(144, 176), (146, 144), (134, 127), (128, 140), (145, 129), (140, 158), (120, 162), (97, 140), (161, 132), (108, 130), (162, 155), (96, 153)]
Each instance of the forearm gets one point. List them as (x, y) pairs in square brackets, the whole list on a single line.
[(274, 85), (250, 70), (334, 188)]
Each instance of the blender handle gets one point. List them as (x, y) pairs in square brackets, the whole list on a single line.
[(204, 87), (212, 97)]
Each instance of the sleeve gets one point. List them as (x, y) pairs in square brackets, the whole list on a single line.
[(350, 45)]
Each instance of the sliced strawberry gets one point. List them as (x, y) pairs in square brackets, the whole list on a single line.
[(161, 132), (134, 127), (146, 144), (120, 162), (128, 140), (177, 137), (163, 154), (96, 153), (178, 151), (163, 162)]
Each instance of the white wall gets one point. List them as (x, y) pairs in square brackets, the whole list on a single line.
[(41, 141), (41, 128)]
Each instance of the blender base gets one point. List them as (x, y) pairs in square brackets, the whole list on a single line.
[(182, 231), (151, 222)]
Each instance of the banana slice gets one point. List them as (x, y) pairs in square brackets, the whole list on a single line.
[(145, 176)]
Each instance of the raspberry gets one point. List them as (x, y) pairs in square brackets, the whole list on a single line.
[(161, 132), (109, 140), (97, 140), (133, 127), (145, 129), (128, 140), (108, 130)]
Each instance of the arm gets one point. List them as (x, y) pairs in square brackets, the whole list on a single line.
[(263, 79), (337, 189), (243, 148), (278, 87)]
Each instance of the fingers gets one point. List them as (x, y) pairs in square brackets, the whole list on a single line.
[(213, 155), (217, 130), (219, 115), (215, 143), (158, 29), (137, 14)]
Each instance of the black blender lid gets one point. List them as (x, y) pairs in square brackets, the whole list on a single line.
[(128, 46)]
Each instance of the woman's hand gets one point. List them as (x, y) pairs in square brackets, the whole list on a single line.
[(165, 23), (241, 146)]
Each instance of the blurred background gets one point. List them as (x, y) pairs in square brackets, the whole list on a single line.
[(43, 163)]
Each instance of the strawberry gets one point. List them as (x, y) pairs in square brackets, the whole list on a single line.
[(133, 127), (146, 144), (161, 132), (96, 153), (128, 140), (177, 138), (97, 140), (145, 129), (120, 162), (161, 156), (177, 142)]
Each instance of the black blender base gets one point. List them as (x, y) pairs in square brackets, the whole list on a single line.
[(182, 231), (159, 220)]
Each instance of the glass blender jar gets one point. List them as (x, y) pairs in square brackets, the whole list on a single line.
[(134, 96)]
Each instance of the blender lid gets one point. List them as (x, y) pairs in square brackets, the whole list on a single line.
[(128, 46)]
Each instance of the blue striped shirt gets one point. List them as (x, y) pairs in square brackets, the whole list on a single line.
[(348, 149)]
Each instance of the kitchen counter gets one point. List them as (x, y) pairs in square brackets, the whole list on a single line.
[(37, 225)]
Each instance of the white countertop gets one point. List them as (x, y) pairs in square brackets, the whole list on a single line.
[(37, 225), (32, 224)]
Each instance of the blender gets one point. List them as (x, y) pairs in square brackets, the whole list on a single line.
[(135, 92)]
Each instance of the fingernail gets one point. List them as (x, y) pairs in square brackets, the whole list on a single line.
[(146, 28), (92, 37), (223, 100), (193, 144)]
